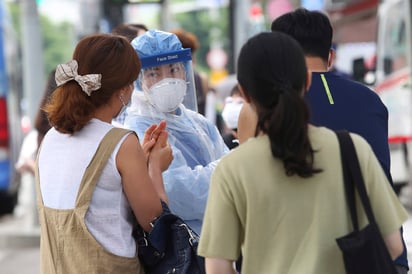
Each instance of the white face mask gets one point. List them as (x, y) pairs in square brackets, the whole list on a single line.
[(167, 94)]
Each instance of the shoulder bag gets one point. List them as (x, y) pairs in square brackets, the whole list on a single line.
[(170, 247), (364, 251)]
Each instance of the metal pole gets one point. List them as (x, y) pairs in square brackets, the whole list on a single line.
[(33, 75), (241, 26), (165, 16), (33, 67), (90, 11)]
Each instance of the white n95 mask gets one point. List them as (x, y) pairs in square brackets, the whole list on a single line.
[(167, 94)]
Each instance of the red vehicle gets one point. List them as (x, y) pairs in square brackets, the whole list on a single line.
[(10, 114)]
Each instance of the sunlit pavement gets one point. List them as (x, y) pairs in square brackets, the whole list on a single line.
[(20, 234)]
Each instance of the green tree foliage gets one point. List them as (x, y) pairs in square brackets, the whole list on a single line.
[(58, 43), (58, 38), (200, 23)]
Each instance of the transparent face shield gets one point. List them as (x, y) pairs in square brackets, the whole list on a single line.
[(167, 80)]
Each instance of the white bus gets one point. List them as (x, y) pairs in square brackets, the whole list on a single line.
[(393, 82)]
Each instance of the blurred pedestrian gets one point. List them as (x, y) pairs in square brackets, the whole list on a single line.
[(165, 79), (25, 164), (333, 68), (130, 30), (211, 106), (189, 40), (335, 102), (279, 197), (28, 152), (93, 177), (230, 114)]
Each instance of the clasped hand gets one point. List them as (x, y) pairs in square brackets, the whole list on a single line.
[(156, 147)]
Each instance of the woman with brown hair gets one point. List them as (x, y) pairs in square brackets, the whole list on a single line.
[(92, 177)]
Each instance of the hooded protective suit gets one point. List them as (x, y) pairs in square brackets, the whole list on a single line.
[(197, 144)]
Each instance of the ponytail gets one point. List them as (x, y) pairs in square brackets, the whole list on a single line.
[(272, 72), (287, 129)]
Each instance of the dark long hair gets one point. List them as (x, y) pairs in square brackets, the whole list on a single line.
[(272, 72)]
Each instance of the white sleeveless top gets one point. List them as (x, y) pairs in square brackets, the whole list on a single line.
[(62, 161)]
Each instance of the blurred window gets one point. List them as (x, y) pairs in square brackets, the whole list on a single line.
[(394, 46)]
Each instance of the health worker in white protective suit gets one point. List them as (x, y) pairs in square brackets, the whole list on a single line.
[(166, 92)]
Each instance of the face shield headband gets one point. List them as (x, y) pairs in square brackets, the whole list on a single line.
[(182, 57)]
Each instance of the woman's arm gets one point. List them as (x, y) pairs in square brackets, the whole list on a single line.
[(138, 184), (159, 160), (393, 242), (219, 266), (151, 135)]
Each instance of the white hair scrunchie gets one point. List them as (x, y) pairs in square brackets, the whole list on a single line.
[(67, 72)]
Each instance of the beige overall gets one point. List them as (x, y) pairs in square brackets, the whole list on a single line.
[(66, 246)]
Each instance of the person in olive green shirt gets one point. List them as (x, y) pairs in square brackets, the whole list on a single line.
[(279, 197)]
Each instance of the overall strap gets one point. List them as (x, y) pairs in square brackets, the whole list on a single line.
[(39, 197), (96, 165)]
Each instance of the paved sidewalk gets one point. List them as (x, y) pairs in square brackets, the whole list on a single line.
[(20, 261), (21, 229), (20, 234), (19, 245)]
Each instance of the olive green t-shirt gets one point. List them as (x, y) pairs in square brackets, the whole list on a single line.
[(289, 225)]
